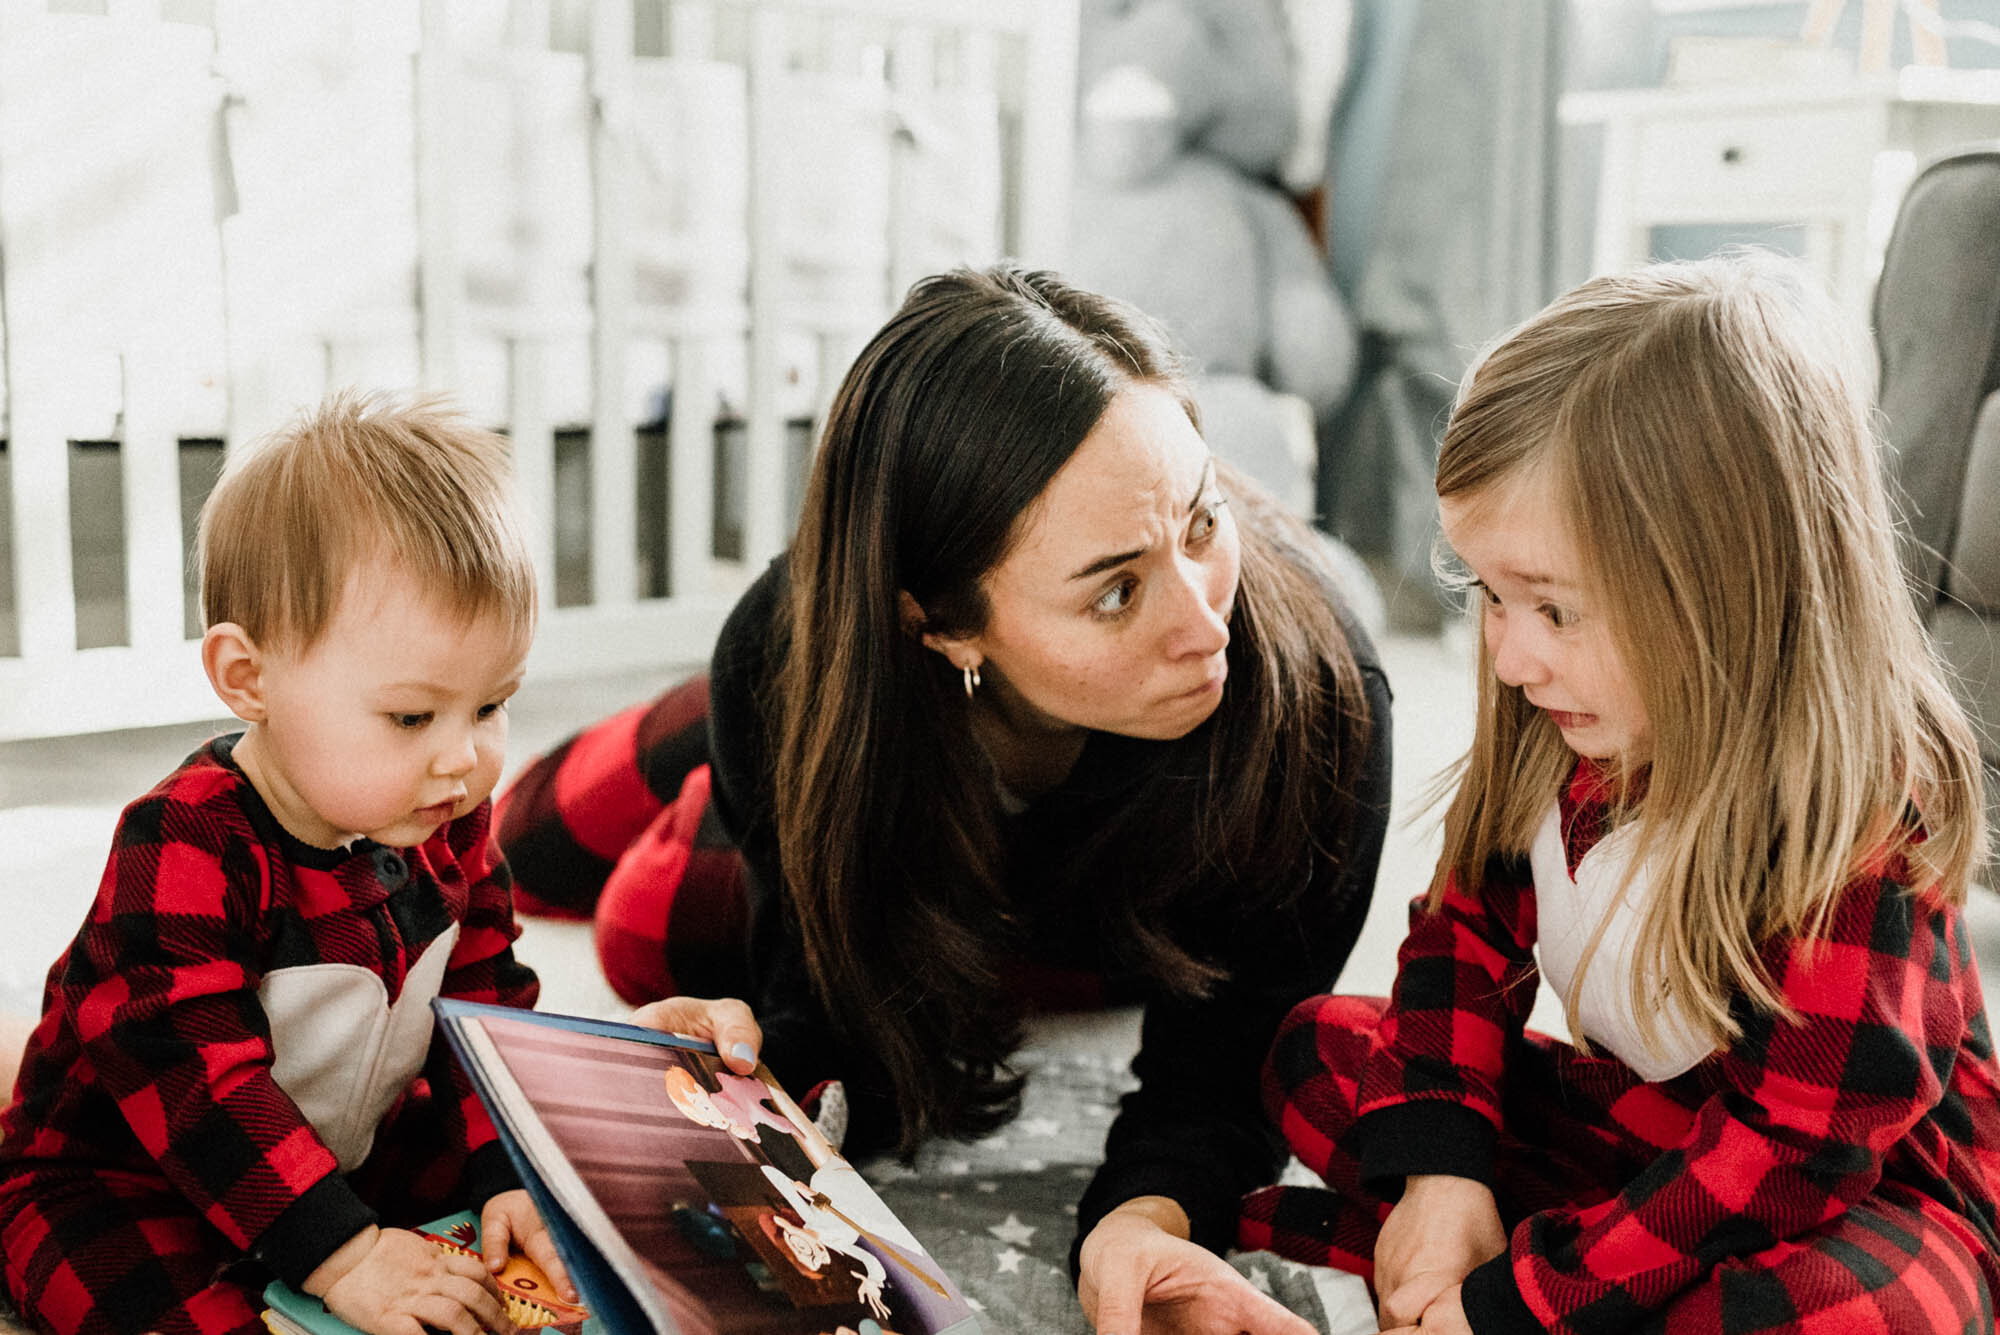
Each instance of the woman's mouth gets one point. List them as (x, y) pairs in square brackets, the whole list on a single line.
[(1569, 722)]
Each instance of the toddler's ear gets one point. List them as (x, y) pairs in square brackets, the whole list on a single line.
[(235, 668)]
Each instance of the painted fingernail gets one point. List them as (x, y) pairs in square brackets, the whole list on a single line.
[(742, 1052)]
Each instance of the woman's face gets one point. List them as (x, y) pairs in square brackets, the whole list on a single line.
[(1111, 611)]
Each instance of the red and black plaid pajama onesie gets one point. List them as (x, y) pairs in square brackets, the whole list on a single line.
[(1838, 1174), (235, 1061)]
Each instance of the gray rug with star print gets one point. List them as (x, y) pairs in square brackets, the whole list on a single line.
[(999, 1214)]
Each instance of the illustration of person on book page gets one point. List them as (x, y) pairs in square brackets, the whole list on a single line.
[(710, 1095), (841, 1212)]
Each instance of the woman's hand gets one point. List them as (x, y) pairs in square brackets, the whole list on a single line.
[(1445, 1316), (1141, 1276), (389, 1281), (723, 1021), (510, 1221), (1441, 1228)]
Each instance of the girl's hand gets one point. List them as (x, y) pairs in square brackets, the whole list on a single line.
[(1435, 1235), (388, 1281), (1445, 1316), (512, 1219), (1139, 1276), (724, 1021)]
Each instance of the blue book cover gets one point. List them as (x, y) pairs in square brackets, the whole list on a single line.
[(687, 1199)]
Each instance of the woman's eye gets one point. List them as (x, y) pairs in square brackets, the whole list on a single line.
[(1207, 522), (1492, 598), (1559, 617), (488, 711), (1115, 600), (409, 721)]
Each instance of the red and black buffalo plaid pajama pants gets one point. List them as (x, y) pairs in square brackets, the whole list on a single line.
[(615, 825), (1576, 1129)]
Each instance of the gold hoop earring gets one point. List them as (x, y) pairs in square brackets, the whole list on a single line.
[(971, 681)]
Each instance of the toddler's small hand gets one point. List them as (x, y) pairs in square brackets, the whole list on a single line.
[(401, 1284), (511, 1220)]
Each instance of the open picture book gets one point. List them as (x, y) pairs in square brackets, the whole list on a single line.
[(687, 1199)]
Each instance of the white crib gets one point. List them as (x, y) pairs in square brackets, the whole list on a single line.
[(643, 237)]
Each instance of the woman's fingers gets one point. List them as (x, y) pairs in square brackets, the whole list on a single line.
[(724, 1021)]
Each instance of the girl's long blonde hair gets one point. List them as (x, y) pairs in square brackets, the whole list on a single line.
[(1708, 436)]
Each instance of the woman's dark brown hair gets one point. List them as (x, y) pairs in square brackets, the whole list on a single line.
[(949, 425)]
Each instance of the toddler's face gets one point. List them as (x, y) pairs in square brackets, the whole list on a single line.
[(1542, 631), (394, 722)]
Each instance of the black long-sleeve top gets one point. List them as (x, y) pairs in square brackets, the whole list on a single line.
[(1194, 1130)]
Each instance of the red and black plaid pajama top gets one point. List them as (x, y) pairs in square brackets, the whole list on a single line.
[(241, 1022), (1837, 1173)]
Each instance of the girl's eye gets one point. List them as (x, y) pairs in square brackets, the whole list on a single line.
[(488, 711), (1115, 601), (1207, 521), (1492, 598), (1559, 617), (409, 722)]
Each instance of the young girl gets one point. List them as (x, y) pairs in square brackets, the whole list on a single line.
[(1720, 795)]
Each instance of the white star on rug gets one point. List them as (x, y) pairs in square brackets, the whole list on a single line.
[(1259, 1279), (1013, 1232), (1009, 1261), (1042, 1126)]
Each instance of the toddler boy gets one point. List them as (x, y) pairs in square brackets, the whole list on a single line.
[(235, 1073)]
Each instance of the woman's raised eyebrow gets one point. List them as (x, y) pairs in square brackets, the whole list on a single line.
[(1104, 563), (1207, 476)]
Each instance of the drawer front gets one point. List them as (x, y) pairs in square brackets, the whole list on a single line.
[(1753, 166)]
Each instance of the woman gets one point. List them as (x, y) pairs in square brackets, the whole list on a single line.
[(1041, 693)]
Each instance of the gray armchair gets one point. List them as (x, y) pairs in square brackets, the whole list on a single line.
[(1937, 326)]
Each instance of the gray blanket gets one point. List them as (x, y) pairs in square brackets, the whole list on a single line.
[(999, 1214)]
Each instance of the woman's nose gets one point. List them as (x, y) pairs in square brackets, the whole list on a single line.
[(1201, 628)]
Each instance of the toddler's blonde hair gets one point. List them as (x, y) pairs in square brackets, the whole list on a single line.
[(363, 477), (1706, 432)]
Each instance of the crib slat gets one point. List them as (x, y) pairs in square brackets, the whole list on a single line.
[(440, 272), (691, 466), (1048, 134), (534, 447), (690, 30), (45, 588), (151, 459), (764, 517), (613, 445)]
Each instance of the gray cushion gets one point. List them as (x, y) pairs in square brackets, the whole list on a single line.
[(1972, 575), (1970, 645), (1937, 324)]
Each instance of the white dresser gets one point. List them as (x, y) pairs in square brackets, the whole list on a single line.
[(1831, 157)]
